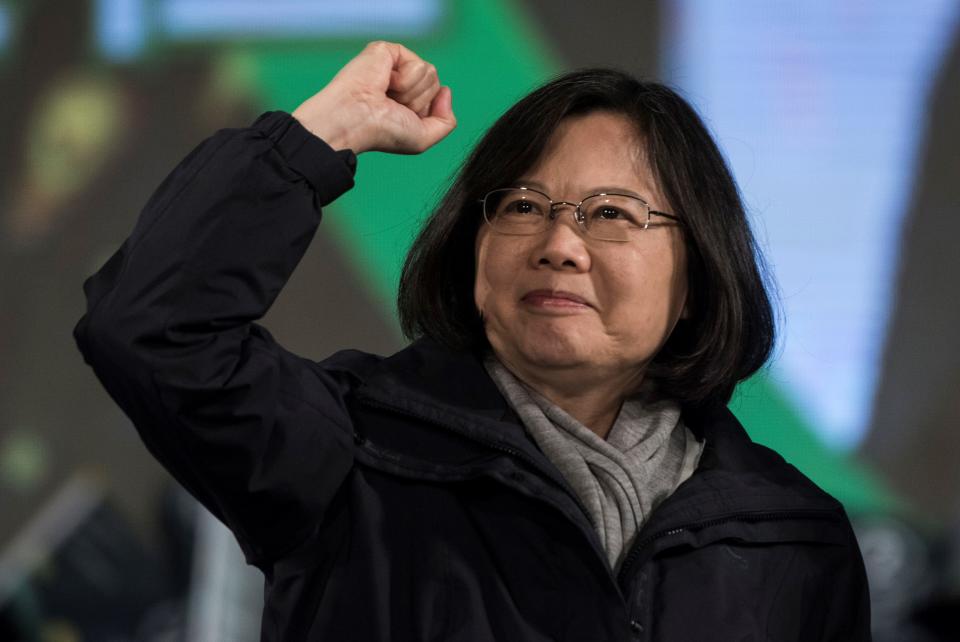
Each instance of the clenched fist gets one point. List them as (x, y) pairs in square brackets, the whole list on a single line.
[(386, 99)]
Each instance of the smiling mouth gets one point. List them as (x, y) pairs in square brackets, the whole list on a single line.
[(555, 299)]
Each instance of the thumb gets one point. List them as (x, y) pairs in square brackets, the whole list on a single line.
[(440, 121)]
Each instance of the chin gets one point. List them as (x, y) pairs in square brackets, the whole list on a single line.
[(544, 342), (551, 350)]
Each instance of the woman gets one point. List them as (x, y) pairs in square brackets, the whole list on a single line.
[(552, 458)]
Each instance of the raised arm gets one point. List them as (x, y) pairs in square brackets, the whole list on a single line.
[(260, 436)]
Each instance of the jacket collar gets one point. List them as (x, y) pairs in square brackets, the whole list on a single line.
[(427, 371), (736, 476), (453, 390), (449, 389)]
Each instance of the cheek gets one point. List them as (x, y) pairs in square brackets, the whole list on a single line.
[(650, 294), (678, 278), (496, 266)]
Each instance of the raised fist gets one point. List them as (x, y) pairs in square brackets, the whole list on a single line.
[(386, 99)]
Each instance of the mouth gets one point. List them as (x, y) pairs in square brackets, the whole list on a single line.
[(555, 299)]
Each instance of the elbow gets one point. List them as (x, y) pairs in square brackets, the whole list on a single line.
[(110, 333), (101, 339)]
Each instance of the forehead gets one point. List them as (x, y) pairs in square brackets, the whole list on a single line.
[(596, 150)]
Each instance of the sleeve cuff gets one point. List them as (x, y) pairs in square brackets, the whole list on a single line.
[(329, 172)]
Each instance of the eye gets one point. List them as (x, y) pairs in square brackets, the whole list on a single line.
[(614, 210), (610, 213), (520, 206)]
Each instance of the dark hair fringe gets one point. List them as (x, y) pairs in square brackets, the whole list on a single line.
[(730, 331)]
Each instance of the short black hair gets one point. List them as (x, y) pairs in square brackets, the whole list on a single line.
[(729, 331)]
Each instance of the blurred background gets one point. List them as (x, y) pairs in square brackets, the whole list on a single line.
[(840, 118)]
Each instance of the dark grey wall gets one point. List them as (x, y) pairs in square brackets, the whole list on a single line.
[(916, 418), (603, 33)]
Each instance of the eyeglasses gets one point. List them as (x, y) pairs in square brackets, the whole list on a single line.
[(607, 217)]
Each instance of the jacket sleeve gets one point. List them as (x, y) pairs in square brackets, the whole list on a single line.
[(258, 435)]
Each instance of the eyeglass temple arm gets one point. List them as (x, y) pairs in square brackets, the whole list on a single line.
[(665, 215)]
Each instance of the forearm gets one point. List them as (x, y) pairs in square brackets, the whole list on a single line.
[(217, 240)]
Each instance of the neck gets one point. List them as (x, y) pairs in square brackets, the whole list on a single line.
[(592, 398)]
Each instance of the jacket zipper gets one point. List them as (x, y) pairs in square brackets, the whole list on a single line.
[(639, 545)]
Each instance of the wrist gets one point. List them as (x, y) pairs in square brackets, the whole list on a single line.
[(338, 137)]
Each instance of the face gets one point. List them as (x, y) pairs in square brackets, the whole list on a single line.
[(563, 303)]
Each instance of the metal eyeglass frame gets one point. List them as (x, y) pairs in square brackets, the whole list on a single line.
[(578, 215)]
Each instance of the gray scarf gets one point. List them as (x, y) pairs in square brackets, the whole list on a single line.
[(647, 454)]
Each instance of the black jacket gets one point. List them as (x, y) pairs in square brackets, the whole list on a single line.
[(400, 498)]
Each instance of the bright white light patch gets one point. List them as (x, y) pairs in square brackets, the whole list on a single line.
[(4, 28), (121, 28), (124, 27), (203, 18)]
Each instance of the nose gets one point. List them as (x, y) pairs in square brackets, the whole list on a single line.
[(562, 245)]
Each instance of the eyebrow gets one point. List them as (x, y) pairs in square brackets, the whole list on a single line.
[(605, 189)]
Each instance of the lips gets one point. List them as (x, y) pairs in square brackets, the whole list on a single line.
[(560, 298)]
